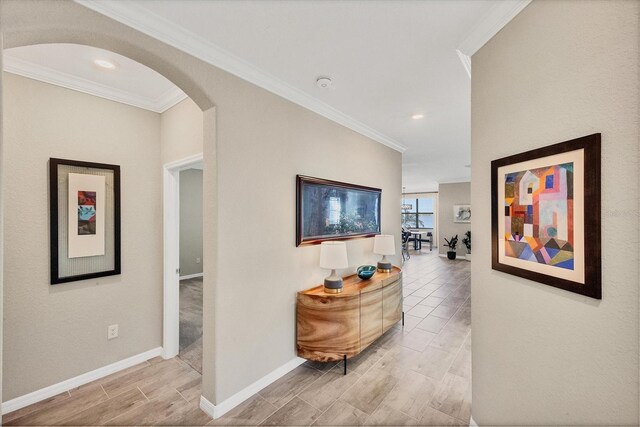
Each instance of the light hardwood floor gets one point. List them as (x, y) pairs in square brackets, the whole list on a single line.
[(419, 374), (191, 322)]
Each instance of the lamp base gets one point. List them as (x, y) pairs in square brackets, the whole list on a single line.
[(384, 267), (333, 286)]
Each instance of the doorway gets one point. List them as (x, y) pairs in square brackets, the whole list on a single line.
[(191, 271), (183, 262)]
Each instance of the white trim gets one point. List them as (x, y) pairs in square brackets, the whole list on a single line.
[(466, 61), (171, 250), (48, 75), (190, 162), (191, 276), (208, 407), (61, 387), (170, 98), (472, 422), (216, 411), (143, 20), (455, 181), (499, 16), (171, 290)]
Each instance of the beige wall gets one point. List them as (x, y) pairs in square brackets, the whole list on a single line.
[(181, 131), (53, 333), (448, 196), (190, 222), (258, 163), (254, 144), (541, 355)]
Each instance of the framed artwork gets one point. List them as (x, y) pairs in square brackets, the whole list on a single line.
[(461, 213), (84, 204), (331, 210), (546, 215)]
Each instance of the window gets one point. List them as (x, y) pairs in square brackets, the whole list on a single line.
[(418, 212)]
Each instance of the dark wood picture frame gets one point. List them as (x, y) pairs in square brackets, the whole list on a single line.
[(54, 217), (592, 287), (301, 181)]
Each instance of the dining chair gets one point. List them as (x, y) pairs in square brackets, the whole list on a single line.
[(405, 245)]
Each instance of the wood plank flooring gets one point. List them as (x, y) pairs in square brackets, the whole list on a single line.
[(191, 322), (419, 374)]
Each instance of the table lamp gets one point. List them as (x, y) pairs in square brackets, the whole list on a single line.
[(333, 255), (384, 245)]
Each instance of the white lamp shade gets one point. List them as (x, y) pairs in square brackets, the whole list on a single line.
[(333, 255), (383, 244)]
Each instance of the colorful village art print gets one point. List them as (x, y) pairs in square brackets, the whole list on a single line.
[(546, 215), (539, 215)]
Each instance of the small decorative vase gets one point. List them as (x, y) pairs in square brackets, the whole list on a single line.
[(366, 271), (451, 255)]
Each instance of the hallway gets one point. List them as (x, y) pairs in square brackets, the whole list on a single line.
[(191, 322), (419, 375)]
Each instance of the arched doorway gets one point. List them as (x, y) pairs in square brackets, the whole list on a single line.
[(43, 33)]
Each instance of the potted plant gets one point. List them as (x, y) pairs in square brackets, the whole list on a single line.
[(452, 243), (467, 242)]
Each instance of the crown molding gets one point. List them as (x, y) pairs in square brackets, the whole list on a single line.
[(455, 181), (170, 98), (155, 26), (45, 74), (497, 17), (466, 61)]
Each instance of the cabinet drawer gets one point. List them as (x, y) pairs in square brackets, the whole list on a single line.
[(370, 317), (328, 328), (391, 305)]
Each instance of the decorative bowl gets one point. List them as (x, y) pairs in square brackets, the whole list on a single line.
[(366, 271)]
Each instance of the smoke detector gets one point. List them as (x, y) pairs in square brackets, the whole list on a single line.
[(323, 82)]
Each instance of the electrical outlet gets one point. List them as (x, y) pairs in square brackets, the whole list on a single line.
[(112, 332), (198, 260)]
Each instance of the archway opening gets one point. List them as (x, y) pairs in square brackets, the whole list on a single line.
[(84, 103)]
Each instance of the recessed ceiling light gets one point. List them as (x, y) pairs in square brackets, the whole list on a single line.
[(323, 82), (417, 116), (103, 63)]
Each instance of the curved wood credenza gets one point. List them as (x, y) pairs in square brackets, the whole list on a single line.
[(331, 327)]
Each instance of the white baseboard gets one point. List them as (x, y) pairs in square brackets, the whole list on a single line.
[(472, 422), (61, 387), (191, 276), (216, 411), (208, 407)]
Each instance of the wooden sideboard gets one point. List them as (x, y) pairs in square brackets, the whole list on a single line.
[(338, 326)]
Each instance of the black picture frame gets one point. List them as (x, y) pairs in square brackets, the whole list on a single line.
[(54, 215), (302, 181), (591, 214)]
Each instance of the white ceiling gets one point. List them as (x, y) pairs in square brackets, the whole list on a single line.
[(388, 59), (72, 66)]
